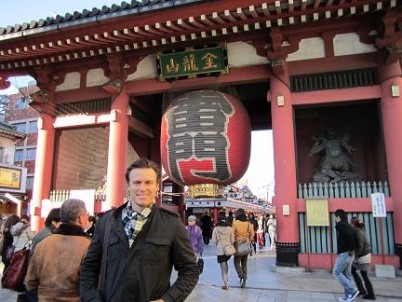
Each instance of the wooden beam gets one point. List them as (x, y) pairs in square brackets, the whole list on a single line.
[(240, 14), (183, 24), (217, 18), (253, 12), (195, 23), (265, 10), (140, 127), (204, 19), (229, 16)]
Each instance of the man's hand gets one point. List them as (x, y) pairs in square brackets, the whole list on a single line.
[(159, 300)]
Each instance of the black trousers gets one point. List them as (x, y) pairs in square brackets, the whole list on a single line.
[(368, 287)]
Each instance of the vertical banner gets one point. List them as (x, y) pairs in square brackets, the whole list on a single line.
[(379, 211), (378, 205)]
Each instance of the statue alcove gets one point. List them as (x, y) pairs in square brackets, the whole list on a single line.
[(351, 132)]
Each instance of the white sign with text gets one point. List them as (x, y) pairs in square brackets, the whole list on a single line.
[(378, 205)]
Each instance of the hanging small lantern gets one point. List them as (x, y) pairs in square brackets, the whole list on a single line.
[(205, 138)]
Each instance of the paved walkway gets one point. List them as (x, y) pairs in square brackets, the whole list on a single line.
[(264, 284)]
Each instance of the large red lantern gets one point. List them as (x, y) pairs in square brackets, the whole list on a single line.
[(205, 138)]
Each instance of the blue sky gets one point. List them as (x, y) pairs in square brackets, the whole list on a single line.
[(260, 172), (20, 11)]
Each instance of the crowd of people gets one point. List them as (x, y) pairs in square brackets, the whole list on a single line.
[(130, 254), (353, 255), (232, 230), (127, 254)]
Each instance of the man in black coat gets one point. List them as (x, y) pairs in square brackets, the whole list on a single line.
[(206, 226), (345, 255), (135, 247)]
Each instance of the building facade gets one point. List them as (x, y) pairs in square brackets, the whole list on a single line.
[(25, 120), (12, 175), (325, 76)]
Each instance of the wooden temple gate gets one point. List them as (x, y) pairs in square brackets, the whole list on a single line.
[(297, 66)]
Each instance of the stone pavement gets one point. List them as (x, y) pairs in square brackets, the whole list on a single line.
[(265, 284)]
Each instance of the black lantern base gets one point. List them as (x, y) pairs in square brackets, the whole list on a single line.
[(398, 252), (287, 254)]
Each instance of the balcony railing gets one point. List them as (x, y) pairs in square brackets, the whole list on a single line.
[(342, 189), (62, 195)]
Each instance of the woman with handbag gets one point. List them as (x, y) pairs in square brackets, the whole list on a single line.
[(22, 233), (8, 247), (244, 237), (223, 237), (23, 236)]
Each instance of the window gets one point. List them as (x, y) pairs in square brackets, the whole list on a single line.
[(30, 180), (31, 153), (33, 126), (21, 103), (21, 127), (19, 155)]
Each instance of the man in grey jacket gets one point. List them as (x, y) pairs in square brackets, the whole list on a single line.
[(135, 247)]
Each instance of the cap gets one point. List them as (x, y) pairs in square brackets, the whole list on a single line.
[(192, 218), (240, 211)]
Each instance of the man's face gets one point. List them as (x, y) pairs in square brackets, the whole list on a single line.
[(337, 219), (143, 186), (83, 220)]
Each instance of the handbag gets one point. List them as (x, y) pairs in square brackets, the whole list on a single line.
[(16, 271), (243, 248), (229, 250), (200, 263), (10, 252)]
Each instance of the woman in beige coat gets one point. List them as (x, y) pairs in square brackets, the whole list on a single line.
[(243, 230), (222, 236)]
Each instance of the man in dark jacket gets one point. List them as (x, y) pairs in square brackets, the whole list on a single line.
[(345, 255), (206, 226), (52, 222), (135, 247)]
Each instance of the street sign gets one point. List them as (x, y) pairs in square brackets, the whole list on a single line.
[(378, 205)]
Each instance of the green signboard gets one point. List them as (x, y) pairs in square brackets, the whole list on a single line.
[(192, 62)]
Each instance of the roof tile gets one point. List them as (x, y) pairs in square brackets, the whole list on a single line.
[(149, 5)]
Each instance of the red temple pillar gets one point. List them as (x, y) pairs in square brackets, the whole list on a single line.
[(118, 138), (391, 110), (288, 243), (43, 168)]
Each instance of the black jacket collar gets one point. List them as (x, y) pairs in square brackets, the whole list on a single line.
[(70, 230)]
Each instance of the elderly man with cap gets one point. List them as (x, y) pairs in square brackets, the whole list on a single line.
[(195, 233), (54, 270)]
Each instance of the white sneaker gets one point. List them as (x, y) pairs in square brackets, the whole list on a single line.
[(353, 297)]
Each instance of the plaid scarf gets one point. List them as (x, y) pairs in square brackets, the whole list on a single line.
[(133, 221)]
